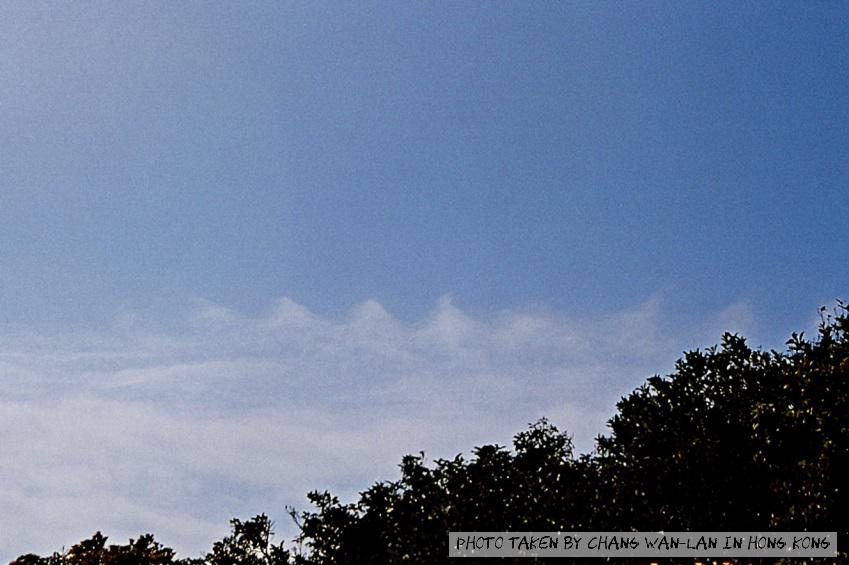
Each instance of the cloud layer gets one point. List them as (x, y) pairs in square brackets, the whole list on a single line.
[(134, 429)]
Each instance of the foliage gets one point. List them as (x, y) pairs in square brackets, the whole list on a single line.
[(251, 543), (539, 486), (94, 551)]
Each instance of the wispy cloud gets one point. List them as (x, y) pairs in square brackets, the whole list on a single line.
[(137, 429)]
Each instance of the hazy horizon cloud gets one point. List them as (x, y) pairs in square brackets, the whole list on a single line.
[(134, 429)]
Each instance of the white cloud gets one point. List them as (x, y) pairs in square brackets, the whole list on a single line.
[(132, 429)]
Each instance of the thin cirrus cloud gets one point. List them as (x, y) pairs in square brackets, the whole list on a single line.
[(134, 429)]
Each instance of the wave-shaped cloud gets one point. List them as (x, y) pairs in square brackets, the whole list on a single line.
[(134, 429)]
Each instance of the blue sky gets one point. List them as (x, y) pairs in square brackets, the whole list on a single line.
[(377, 194)]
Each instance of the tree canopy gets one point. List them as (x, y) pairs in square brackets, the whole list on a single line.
[(735, 439)]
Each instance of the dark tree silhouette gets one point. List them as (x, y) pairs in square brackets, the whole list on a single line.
[(251, 543), (736, 439), (94, 551)]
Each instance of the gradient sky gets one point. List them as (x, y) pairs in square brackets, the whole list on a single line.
[(205, 202)]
